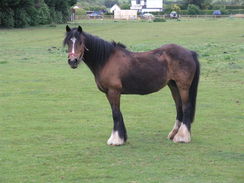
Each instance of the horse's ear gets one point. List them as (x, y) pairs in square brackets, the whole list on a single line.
[(79, 29), (67, 28)]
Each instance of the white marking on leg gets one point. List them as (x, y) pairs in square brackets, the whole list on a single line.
[(73, 39), (115, 139), (174, 130), (183, 134)]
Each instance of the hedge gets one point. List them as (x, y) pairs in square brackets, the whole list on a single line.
[(210, 12)]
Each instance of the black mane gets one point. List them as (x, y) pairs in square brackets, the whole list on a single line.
[(97, 51), (119, 45)]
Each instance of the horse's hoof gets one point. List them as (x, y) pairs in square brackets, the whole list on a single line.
[(183, 135), (115, 140)]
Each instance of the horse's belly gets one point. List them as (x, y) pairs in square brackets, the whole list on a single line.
[(144, 80)]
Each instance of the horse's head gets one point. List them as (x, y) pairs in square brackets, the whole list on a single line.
[(76, 46)]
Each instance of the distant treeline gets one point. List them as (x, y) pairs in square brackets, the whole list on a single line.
[(95, 5), (21, 13)]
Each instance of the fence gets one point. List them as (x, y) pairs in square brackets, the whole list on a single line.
[(204, 16), (85, 17)]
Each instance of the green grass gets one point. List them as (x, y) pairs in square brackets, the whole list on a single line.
[(54, 123)]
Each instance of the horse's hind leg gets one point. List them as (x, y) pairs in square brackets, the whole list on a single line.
[(178, 103), (183, 134), (118, 136)]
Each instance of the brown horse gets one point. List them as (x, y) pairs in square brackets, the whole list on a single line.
[(119, 71)]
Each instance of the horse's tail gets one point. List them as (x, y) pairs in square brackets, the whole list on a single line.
[(194, 86)]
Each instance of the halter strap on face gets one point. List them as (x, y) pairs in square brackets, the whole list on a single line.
[(80, 57), (70, 54), (86, 48)]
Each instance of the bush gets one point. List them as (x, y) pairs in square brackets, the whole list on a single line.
[(231, 7), (206, 12), (168, 8), (241, 11), (183, 12), (125, 6), (158, 13), (223, 11), (175, 7), (159, 20), (96, 8), (80, 12), (193, 9), (217, 7)]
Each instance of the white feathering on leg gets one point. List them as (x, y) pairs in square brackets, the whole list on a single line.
[(174, 130), (115, 139), (183, 135)]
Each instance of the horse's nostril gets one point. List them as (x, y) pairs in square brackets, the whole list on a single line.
[(72, 61)]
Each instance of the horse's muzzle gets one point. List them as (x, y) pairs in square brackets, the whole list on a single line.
[(73, 63)]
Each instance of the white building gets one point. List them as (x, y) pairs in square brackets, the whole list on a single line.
[(114, 8), (125, 14), (147, 5)]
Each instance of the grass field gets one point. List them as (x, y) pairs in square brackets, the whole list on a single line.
[(54, 123)]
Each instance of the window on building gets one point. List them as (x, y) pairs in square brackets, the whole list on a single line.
[(138, 1)]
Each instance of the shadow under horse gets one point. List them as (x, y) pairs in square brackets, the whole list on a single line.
[(119, 71)]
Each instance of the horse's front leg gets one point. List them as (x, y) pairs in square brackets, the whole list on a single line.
[(119, 135)]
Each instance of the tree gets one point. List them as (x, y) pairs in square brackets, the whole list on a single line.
[(59, 9), (21, 13), (7, 17), (175, 7), (110, 3), (193, 9), (199, 3), (125, 6), (43, 13)]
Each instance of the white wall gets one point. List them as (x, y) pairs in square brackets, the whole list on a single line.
[(151, 5), (135, 6), (154, 4), (150, 10), (114, 8), (125, 14)]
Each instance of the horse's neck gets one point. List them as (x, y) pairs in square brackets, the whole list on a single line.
[(96, 53)]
